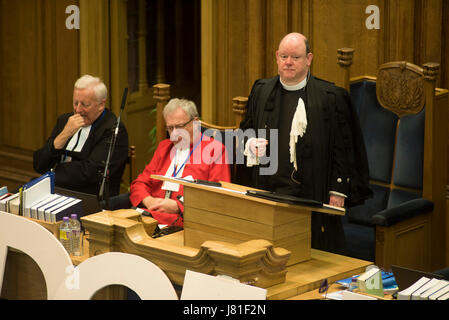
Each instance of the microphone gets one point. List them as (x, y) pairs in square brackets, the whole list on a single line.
[(122, 107), (125, 93), (105, 180)]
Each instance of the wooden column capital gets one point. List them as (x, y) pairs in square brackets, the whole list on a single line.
[(431, 71), (345, 56), (161, 91), (239, 109)]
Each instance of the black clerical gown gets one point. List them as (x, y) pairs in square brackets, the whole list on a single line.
[(84, 172), (321, 154)]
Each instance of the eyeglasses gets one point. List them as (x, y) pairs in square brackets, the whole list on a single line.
[(178, 126), (285, 57), (82, 104)]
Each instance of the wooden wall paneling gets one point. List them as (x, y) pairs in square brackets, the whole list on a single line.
[(255, 39), (302, 17), (338, 24), (119, 55), (276, 28), (445, 84), (62, 46), (49, 106), (119, 71), (208, 60), (399, 35), (39, 58), (435, 165), (223, 56), (428, 28), (94, 40), (237, 42), (22, 89), (22, 74), (182, 41), (160, 37), (445, 46), (138, 119)]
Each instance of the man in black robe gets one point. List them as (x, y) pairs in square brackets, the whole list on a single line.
[(78, 146), (318, 156)]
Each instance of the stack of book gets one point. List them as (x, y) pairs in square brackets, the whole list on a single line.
[(36, 199), (426, 289)]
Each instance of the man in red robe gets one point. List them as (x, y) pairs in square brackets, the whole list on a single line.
[(186, 154)]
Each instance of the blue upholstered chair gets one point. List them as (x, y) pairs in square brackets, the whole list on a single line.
[(400, 114)]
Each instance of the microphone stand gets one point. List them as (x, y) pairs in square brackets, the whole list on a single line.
[(104, 188)]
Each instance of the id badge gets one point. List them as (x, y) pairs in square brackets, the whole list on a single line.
[(170, 186)]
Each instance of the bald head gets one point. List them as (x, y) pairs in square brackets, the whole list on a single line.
[(293, 58), (297, 38)]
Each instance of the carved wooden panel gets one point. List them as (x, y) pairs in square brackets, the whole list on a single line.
[(400, 88)]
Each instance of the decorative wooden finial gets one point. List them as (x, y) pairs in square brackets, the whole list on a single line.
[(161, 91), (239, 104), (431, 70), (239, 109), (345, 56)]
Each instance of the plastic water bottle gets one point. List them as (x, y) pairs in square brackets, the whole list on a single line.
[(353, 285), (65, 234), (75, 226)]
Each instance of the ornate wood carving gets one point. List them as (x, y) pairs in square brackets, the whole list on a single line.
[(431, 70), (345, 56), (239, 109), (400, 88), (161, 93), (255, 261)]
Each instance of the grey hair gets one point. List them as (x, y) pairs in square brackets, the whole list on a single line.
[(188, 106), (88, 81)]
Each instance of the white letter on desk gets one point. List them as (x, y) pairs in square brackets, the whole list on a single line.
[(34, 240), (67, 282)]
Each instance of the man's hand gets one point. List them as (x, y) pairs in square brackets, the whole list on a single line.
[(336, 201), (258, 146), (71, 127), (161, 204)]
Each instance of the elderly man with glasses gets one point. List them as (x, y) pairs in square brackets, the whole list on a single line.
[(78, 146), (186, 154)]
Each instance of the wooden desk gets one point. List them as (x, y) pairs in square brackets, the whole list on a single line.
[(307, 276), (228, 214), (24, 280), (315, 295)]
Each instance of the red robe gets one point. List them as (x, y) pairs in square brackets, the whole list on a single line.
[(207, 162)]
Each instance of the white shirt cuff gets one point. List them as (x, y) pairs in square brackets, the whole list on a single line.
[(251, 158)]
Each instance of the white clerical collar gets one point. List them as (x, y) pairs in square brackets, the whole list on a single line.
[(78, 140), (294, 87)]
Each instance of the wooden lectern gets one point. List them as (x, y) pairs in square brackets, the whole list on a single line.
[(228, 214)]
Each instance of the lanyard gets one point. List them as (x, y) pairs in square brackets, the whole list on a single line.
[(176, 172)]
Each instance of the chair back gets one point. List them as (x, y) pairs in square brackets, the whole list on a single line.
[(392, 117), (225, 135)]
